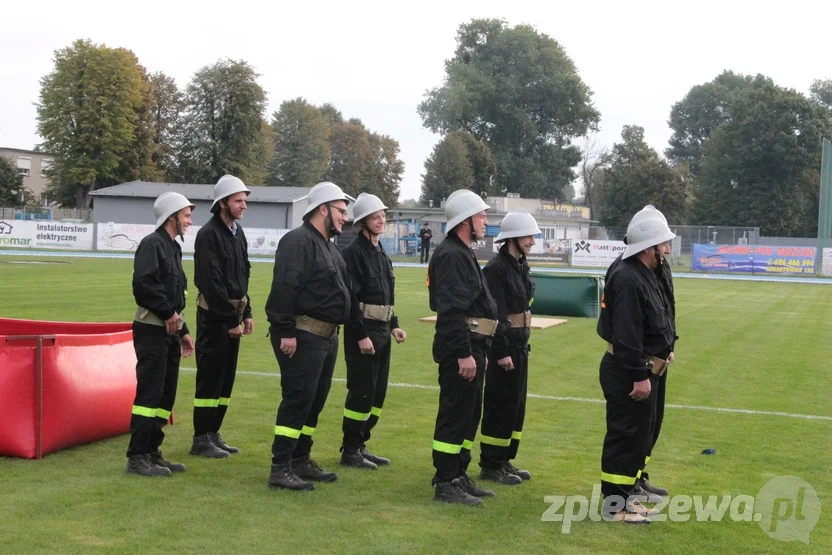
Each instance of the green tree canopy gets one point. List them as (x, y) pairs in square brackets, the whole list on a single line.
[(94, 118), (517, 91), (636, 176), (11, 183)]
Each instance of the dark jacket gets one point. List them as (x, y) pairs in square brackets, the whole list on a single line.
[(373, 282), (457, 291), (159, 282), (512, 289), (310, 278), (222, 270), (636, 315)]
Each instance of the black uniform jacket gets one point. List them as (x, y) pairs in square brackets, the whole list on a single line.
[(636, 315), (310, 278), (457, 291), (373, 282), (159, 282), (512, 289), (222, 270)]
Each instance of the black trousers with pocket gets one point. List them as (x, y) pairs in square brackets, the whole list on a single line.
[(460, 408), (504, 409), (216, 369), (157, 375), (305, 380), (629, 428), (367, 377)]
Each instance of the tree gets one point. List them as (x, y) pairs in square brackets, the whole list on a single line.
[(636, 176), (517, 91), (483, 165), (11, 183), (302, 148), (702, 110), (353, 156), (92, 117), (446, 170), (821, 92), (387, 170), (761, 167), (222, 126), (167, 106), (594, 161)]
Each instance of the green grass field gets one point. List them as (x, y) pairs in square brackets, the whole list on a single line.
[(754, 346)]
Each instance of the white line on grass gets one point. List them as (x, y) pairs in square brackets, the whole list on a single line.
[(582, 399)]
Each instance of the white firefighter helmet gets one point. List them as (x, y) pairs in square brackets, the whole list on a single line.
[(517, 224), (366, 204), (167, 205), (461, 205), (648, 228), (228, 185), (323, 193)]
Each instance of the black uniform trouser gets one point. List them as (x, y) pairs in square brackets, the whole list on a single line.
[(424, 252), (216, 368), (659, 385), (504, 409), (629, 428), (460, 408), (157, 374), (305, 380), (367, 377)]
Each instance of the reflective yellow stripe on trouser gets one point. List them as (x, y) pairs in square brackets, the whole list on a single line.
[(496, 441), (224, 401), (448, 448), (467, 444), (287, 432), (376, 411), (145, 411), (360, 416), (618, 479), (207, 403), (516, 435)]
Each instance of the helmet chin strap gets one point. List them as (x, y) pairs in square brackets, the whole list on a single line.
[(179, 227), (658, 254), (328, 221), (471, 225)]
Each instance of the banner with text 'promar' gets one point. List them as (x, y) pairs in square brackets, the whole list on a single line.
[(754, 259)]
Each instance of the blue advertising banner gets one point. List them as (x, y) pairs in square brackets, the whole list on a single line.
[(754, 259)]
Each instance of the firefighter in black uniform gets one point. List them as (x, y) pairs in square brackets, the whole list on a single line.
[(160, 335), (425, 236), (309, 298), (367, 342), (635, 322), (465, 323), (221, 274), (504, 406)]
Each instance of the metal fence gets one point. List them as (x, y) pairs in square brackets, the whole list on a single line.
[(690, 234), (49, 213)]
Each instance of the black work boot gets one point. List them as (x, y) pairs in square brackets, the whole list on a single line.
[(141, 465), (468, 485), (450, 492), (203, 446), (500, 476), (216, 438), (157, 459), (353, 458), (649, 489), (378, 461), (524, 474), (282, 476), (308, 469)]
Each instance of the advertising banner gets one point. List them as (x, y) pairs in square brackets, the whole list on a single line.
[(600, 254), (754, 259), (45, 234), (126, 237), (550, 251), (826, 267)]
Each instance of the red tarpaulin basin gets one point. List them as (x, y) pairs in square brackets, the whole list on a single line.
[(63, 384)]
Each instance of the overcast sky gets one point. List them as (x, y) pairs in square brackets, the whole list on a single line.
[(375, 59)]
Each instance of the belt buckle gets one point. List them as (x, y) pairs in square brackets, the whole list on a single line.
[(389, 313), (473, 324)]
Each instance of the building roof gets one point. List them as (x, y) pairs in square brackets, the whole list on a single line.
[(24, 151), (149, 189)]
